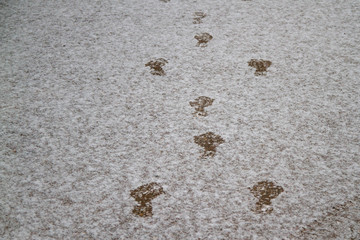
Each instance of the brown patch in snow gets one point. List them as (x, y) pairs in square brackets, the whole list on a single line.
[(156, 66), (260, 65), (198, 16), (265, 191), (203, 39), (144, 195), (200, 103), (209, 141)]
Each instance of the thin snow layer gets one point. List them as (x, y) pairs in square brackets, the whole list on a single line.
[(84, 121)]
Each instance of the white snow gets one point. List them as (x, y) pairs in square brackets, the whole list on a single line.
[(84, 122)]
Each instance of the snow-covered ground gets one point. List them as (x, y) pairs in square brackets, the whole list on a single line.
[(88, 131)]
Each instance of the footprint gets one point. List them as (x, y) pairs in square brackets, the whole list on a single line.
[(203, 39), (265, 191), (260, 65), (144, 195), (209, 141), (198, 17), (200, 103), (156, 66), (165, 1)]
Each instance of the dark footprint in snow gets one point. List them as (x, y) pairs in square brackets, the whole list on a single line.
[(156, 66), (198, 16), (265, 191), (209, 141), (203, 39), (260, 65), (144, 195), (200, 103)]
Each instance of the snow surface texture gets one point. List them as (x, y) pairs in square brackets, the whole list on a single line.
[(85, 124)]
